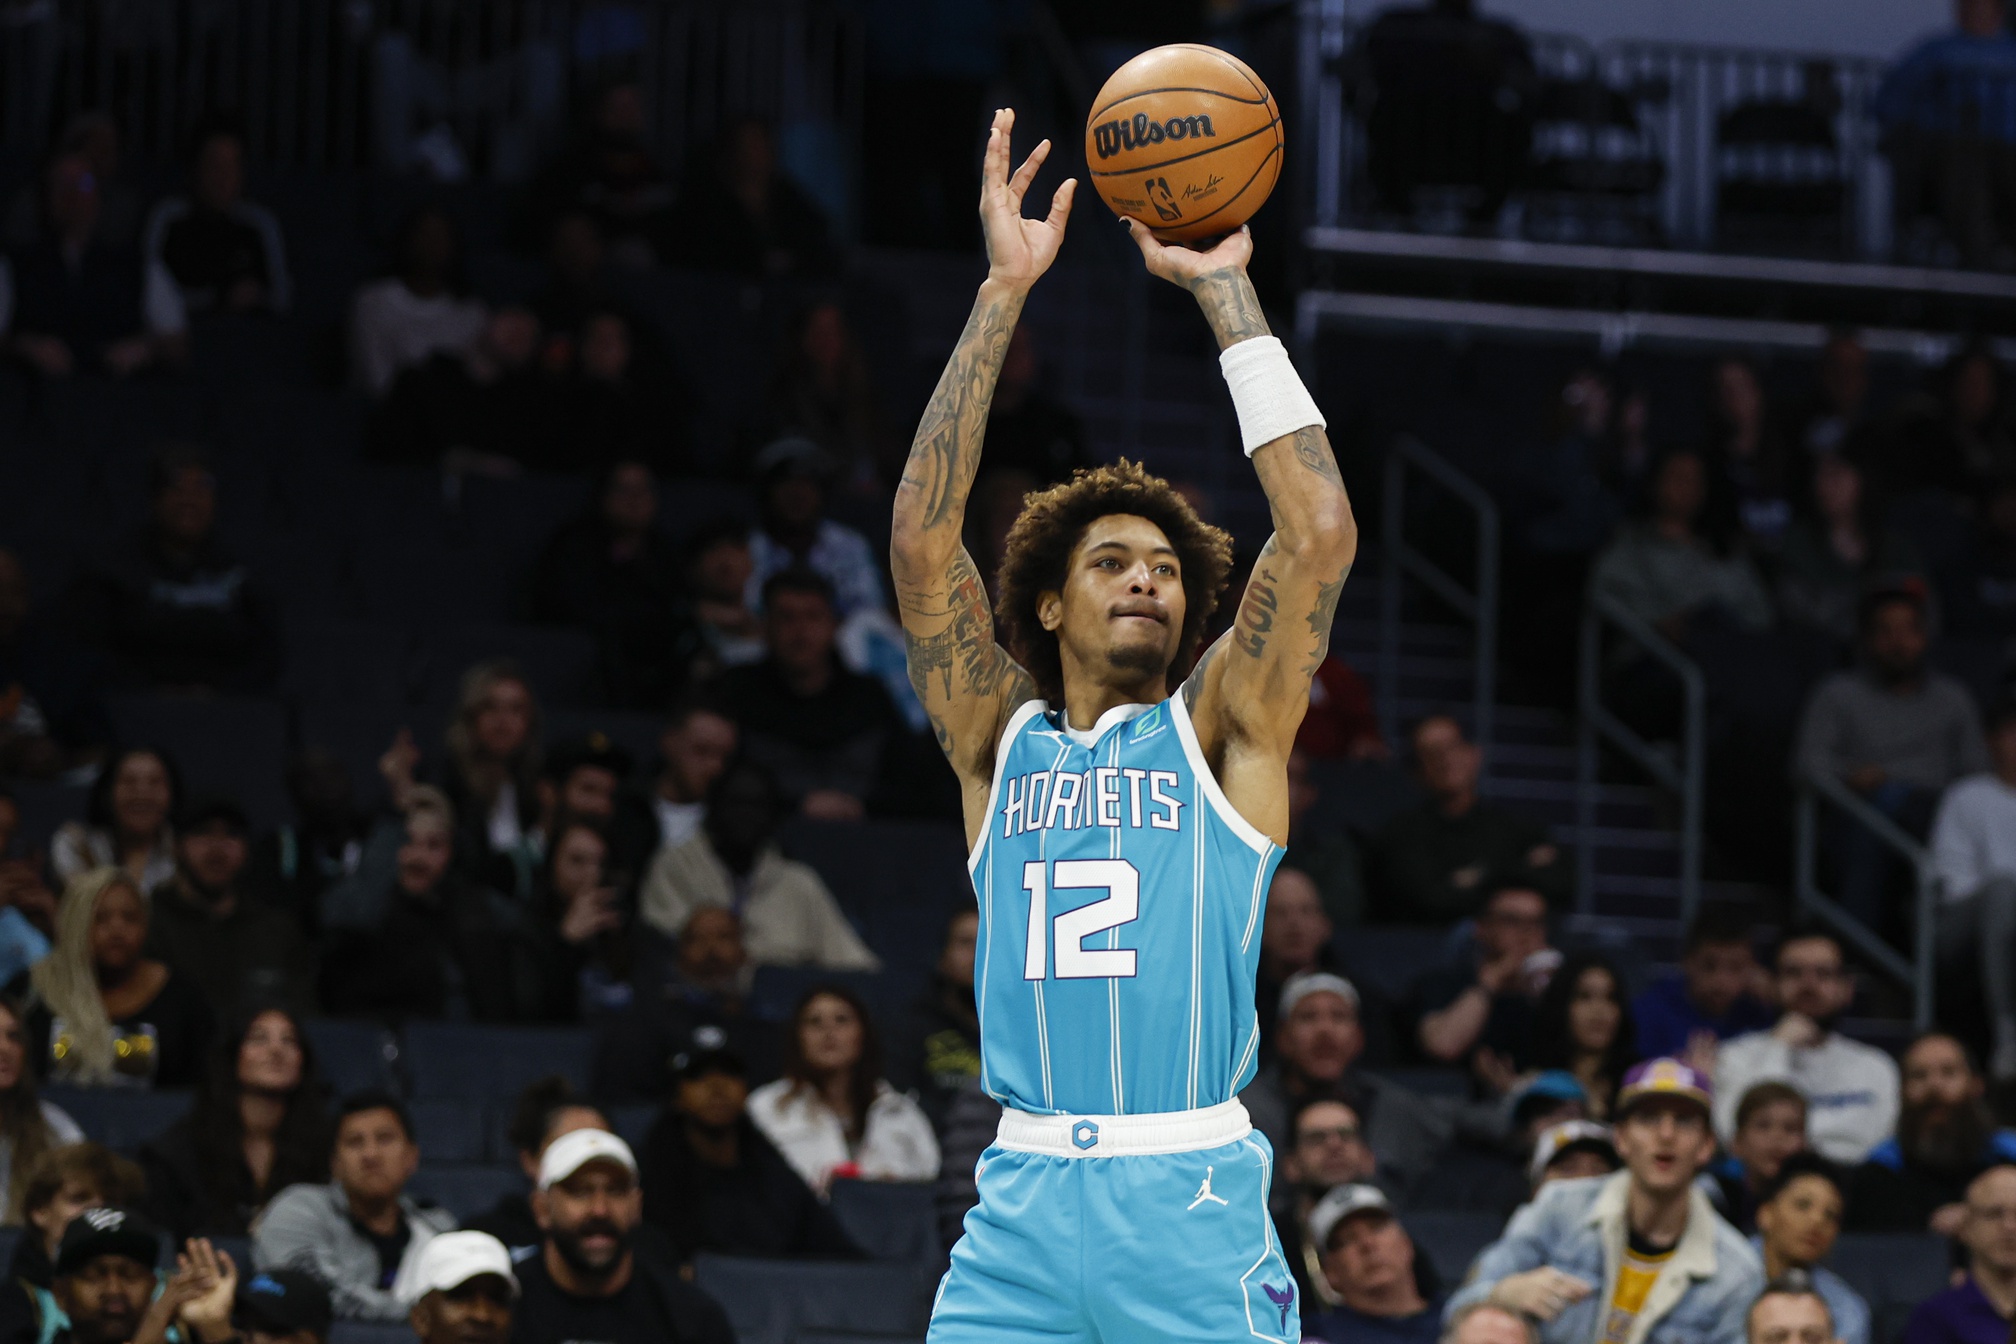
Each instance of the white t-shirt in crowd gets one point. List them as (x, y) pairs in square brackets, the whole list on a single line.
[(677, 822), (1974, 835), (896, 1143), (392, 328)]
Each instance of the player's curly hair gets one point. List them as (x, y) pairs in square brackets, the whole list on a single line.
[(1038, 555)]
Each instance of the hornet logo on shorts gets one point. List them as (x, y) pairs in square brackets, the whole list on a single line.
[(1138, 132), (1283, 1298)]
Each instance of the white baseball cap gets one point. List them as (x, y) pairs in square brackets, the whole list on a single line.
[(571, 1152), (1344, 1201), (453, 1258)]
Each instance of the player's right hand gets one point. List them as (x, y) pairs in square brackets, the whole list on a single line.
[(1018, 250), (1540, 1293)]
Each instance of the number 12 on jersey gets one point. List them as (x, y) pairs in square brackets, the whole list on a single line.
[(1121, 882)]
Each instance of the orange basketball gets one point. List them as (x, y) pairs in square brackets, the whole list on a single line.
[(1185, 139)]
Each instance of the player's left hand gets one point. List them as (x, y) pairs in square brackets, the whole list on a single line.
[(1179, 263), (1018, 250)]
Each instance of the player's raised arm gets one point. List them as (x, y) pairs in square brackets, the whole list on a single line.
[(968, 683), (1251, 689)]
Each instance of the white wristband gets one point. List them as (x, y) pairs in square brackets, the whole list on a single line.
[(1266, 392)]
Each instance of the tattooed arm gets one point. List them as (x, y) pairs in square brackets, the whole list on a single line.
[(1250, 690), (968, 683)]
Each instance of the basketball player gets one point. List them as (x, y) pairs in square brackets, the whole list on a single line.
[(1126, 810)]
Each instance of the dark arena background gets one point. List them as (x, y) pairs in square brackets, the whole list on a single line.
[(452, 697)]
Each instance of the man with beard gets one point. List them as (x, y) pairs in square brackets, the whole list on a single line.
[(1977, 1310), (1945, 1136), (105, 1277), (1850, 1088), (589, 1284), (208, 927)]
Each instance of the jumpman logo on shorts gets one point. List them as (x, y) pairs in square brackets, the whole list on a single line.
[(1204, 1192)]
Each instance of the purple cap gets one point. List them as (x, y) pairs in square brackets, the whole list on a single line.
[(1663, 1078)]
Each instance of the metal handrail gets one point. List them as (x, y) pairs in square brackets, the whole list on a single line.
[(1402, 561), (1595, 721), (1919, 972)]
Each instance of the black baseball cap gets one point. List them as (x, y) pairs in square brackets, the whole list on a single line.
[(704, 1061), (206, 812), (109, 1231), (282, 1301), (593, 750)]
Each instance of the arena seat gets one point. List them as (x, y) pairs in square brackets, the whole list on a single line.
[(121, 1118), (891, 1220), (1452, 1241), (1894, 1272), (1390, 960), (354, 1056), (775, 991), (333, 660), (637, 734), (450, 1131), (773, 1301), (464, 1191), (560, 664), (371, 1332), (10, 1237), (240, 1251), (224, 746), (632, 1124), (420, 582), (473, 1064), (44, 810)]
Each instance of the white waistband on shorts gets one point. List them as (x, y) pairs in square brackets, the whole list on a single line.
[(1124, 1135)]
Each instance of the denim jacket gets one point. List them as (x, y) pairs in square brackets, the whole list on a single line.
[(1702, 1296)]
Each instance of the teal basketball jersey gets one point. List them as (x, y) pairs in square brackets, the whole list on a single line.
[(1120, 906)]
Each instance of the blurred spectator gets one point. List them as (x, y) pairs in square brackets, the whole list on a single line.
[(720, 569), (1318, 1039), (27, 907), (105, 1285), (282, 1306), (1571, 1151), (1838, 551), (93, 135), (1711, 998), (1437, 861), (62, 1183), (1977, 588), (695, 747), (1587, 1258), (717, 1184), (361, 1234), (1328, 1151), (52, 713), (820, 728), (1324, 851), (1751, 491), (943, 1052), (463, 1290), (259, 1125), (296, 862), (1480, 1012), (1341, 723), (619, 405), (1368, 1261), (1974, 854), (591, 1279), (1838, 405), (1798, 1222), (611, 174), (1946, 1135), (1030, 431), (407, 935), (795, 533), (703, 1002), (223, 250), (1943, 110), (1895, 732), (789, 917), (421, 308), (73, 301), (208, 927), (1851, 1088), (739, 213), (125, 821), (547, 1109), (612, 573), (1581, 1024), (29, 1126), (1574, 512), (1448, 97), (1791, 1311), (578, 281), (1974, 408), (1295, 935), (1977, 1310), (495, 746), (100, 1012), (1486, 1323), (1667, 572), (833, 1114), (481, 407), (1770, 1127), (589, 967), (171, 605), (823, 397)]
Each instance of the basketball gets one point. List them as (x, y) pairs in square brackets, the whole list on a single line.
[(1186, 139)]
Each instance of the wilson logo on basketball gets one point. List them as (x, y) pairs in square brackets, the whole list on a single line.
[(1112, 137)]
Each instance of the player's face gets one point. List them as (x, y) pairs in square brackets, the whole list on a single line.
[(1665, 1142), (1122, 604)]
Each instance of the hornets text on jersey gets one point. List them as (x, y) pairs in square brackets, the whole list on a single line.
[(1120, 903)]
